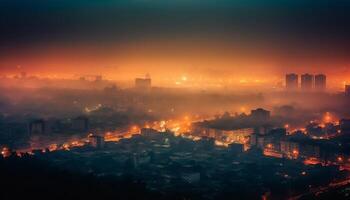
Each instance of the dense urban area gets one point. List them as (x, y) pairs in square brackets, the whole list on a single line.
[(256, 154)]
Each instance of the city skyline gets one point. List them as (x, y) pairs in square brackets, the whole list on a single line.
[(175, 99), (319, 82), (176, 37)]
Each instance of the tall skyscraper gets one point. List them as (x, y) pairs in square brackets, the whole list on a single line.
[(291, 81), (307, 81), (320, 82)]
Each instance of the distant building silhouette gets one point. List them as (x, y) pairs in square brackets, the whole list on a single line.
[(80, 124), (291, 81), (143, 83), (307, 81), (344, 126), (37, 127), (260, 114), (347, 90), (320, 82), (111, 89), (98, 78)]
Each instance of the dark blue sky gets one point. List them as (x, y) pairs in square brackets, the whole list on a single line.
[(31, 21)]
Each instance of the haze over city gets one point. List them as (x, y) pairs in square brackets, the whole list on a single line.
[(255, 40), (175, 99)]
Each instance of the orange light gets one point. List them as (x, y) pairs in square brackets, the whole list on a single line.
[(295, 152), (53, 147), (311, 161), (5, 152), (340, 159), (65, 146)]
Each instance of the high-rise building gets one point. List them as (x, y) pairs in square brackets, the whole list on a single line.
[(320, 82), (307, 81), (291, 81), (347, 90), (260, 114)]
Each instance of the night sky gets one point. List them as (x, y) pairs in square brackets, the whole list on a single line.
[(186, 36)]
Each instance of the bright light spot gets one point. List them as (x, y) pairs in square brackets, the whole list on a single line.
[(243, 81), (340, 159), (242, 109), (220, 143), (295, 152)]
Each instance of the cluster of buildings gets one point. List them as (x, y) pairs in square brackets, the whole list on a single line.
[(79, 124), (259, 119), (211, 160), (325, 144), (26, 80), (320, 142), (307, 82), (317, 144), (172, 164)]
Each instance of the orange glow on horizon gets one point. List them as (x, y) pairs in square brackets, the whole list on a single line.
[(170, 62)]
